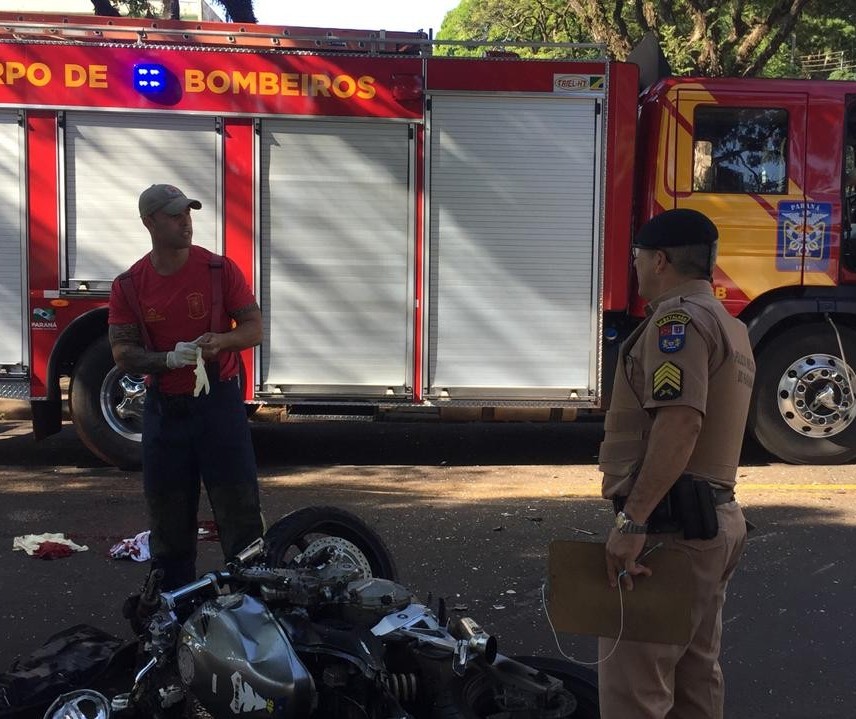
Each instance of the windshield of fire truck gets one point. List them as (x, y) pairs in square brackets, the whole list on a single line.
[(740, 150)]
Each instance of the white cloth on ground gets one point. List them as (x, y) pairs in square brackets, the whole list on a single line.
[(30, 543), (136, 548)]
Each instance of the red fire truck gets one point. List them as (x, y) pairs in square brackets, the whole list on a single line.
[(430, 234)]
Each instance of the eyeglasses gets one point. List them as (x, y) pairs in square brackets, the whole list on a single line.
[(636, 249)]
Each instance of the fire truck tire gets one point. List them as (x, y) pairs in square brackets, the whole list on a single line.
[(95, 392), (802, 408)]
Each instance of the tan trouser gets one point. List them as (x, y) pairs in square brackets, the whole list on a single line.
[(666, 681)]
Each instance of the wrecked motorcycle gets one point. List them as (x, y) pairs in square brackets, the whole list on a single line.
[(311, 622)]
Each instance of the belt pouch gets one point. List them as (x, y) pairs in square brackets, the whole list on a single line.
[(707, 509), (665, 513)]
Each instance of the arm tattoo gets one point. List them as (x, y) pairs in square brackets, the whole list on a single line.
[(243, 311), (130, 353), (124, 334)]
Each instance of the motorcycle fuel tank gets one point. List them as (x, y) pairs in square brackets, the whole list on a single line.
[(237, 660)]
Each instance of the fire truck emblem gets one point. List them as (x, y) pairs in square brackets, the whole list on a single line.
[(668, 380), (803, 236), (672, 331), (196, 306), (44, 318)]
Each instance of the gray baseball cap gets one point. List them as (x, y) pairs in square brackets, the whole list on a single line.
[(167, 198)]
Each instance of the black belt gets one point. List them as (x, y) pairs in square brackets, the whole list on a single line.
[(181, 405), (720, 496)]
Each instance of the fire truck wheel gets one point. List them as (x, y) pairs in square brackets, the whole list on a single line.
[(803, 408), (106, 407)]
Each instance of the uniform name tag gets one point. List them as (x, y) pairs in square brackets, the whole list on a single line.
[(672, 331)]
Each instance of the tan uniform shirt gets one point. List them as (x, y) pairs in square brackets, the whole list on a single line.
[(689, 351)]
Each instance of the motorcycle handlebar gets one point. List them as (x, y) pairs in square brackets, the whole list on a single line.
[(150, 596), (477, 639), (212, 580)]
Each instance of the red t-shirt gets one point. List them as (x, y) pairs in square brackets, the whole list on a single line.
[(177, 308)]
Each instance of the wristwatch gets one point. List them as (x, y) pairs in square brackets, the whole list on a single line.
[(625, 525)]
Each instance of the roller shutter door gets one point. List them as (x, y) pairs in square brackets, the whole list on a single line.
[(110, 159), (12, 270), (514, 226), (336, 257)]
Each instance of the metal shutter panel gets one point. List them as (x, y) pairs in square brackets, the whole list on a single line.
[(513, 261), (110, 160), (335, 255), (11, 255)]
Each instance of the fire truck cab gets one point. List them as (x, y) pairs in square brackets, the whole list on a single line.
[(444, 236)]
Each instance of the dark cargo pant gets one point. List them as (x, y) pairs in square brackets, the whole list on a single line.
[(186, 439)]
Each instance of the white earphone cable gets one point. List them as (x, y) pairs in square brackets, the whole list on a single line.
[(556, 636)]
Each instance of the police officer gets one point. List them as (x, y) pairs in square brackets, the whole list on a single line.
[(669, 460)]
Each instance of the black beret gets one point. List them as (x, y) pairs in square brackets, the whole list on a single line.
[(676, 228)]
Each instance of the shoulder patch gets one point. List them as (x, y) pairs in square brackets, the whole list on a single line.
[(672, 331), (668, 380)]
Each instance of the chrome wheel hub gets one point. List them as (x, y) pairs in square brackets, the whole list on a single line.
[(815, 396), (122, 398)]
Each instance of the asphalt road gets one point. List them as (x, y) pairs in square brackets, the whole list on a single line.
[(468, 511)]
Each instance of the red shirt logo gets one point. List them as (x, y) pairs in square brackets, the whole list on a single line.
[(196, 306)]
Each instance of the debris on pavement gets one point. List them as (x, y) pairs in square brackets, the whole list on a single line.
[(136, 548), (583, 531), (32, 545), (208, 531), (53, 550)]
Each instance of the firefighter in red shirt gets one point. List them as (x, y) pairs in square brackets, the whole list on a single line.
[(177, 303)]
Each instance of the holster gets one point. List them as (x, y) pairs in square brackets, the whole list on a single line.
[(695, 505)]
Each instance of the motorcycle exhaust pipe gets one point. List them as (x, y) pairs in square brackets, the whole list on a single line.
[(478, 640)]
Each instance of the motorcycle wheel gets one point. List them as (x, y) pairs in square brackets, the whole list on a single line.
[(579, 681), (293, 533), (473, 696)]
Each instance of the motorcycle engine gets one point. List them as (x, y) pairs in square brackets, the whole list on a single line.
[(237, 660), (366, 601)]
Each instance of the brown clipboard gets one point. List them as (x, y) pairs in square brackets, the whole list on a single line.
[(580, 600)]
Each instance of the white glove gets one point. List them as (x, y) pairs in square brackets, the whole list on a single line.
[(183, 355), (202, 384)]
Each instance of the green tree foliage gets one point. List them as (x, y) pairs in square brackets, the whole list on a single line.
[(706, 37), (828, 27), (236, 10), (497, 22)]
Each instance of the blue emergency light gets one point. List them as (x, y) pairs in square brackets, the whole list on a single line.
[(150, 78)]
